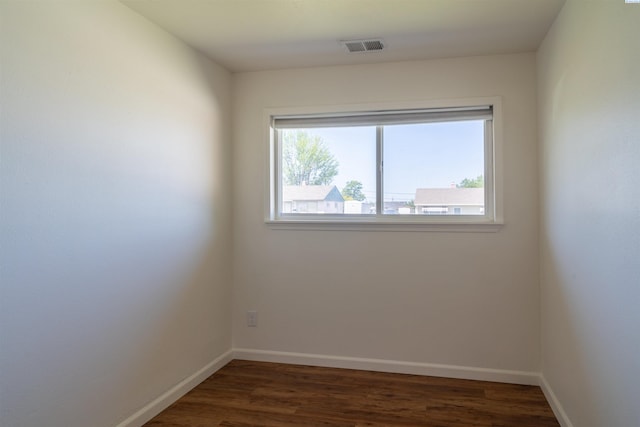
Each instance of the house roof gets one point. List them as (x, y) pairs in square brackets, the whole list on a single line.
[(449, 197), (306, 192)]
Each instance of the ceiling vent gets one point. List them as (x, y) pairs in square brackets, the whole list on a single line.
[(360, 46)]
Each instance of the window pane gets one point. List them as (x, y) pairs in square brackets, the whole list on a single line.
[(328, 170), (434, 168)]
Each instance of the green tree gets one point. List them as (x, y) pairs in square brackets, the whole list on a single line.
[(353, 191), (306, 159), (472, 183)]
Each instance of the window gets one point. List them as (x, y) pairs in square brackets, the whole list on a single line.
[(385, 166)]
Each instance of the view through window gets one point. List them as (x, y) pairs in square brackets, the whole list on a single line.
[(418, 164)]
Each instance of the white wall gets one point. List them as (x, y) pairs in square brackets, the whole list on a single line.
[(589, 99), (468, 299), (115, 176)]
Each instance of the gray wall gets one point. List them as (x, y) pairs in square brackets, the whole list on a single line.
[(589, 103), (115, 206), (465, 299)]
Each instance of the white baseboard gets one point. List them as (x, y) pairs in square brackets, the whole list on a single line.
[(162, 402), (559, 412), (394, 366)]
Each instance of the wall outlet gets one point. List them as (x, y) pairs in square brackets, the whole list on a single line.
[(252, 318)]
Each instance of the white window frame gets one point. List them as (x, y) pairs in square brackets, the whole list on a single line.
[(490, 222)]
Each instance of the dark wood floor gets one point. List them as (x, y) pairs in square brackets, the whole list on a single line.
[(246, 394)]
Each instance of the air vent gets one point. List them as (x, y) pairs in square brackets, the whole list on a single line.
[(371, 45)]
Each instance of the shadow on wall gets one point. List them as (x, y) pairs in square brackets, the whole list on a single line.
[(563, 332)]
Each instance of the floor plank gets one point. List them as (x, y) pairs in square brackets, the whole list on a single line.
[(245, 393)]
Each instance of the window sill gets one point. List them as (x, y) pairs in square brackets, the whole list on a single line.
[(375, 224)]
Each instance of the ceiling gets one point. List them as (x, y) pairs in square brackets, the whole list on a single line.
[(249, 35)]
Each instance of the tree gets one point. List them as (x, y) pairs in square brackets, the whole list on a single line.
[(472, 183), (307, 160), (353, 191)]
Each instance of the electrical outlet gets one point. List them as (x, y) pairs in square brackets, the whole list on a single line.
[(252, 318)]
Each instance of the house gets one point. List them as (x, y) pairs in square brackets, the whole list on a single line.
[(354, 207), (449, 201), (134, 148), (390, 207), (312, 199)]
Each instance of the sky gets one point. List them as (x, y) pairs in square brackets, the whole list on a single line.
[(432, 155)]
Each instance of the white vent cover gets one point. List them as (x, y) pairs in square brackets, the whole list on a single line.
[(369, 45)]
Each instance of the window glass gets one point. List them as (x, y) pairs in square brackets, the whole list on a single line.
[(330, 167), (434, 168), (413, 166)]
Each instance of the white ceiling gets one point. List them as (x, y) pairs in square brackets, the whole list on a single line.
[(247, 35)]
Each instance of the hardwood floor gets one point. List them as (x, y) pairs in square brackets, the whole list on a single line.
[(244, 394)]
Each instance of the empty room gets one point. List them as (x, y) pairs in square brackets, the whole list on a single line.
[(319, 213)]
